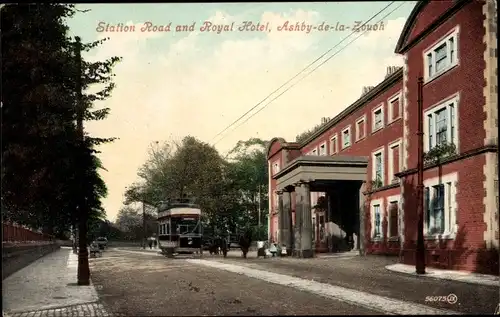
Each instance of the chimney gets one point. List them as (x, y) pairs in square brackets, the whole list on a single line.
[(391, 70), (366, 89), (324, 120)]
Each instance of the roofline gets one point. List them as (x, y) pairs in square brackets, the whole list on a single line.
[(410, 22), (386, 83), (284, 145), (402, 46)]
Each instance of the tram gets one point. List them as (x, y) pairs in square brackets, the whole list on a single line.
[(180, 227)]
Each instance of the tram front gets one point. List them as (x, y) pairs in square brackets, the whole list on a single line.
[(180, 228)]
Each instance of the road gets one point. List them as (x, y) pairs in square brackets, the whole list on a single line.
[(146, 284)]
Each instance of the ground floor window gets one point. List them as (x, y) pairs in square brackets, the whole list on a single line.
[(393, 217), (377, 216), (440, 204)]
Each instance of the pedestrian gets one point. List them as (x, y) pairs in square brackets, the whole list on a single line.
[(150, 243), (155, 243)]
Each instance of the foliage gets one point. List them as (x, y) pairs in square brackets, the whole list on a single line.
[(304, 135), (440, 151), (130, 224), (376, 183), (43, 157), (227, 189)]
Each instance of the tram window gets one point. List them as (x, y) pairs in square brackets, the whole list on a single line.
[(160, 229), (166, 228)]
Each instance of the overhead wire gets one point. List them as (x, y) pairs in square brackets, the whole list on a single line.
[(299, 73), (302, 78)]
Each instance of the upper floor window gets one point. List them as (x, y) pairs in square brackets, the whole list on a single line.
[(333, 145), (346, 137), (276, 167), (322, 149), (442, 56), (394, 105), (360, 128), (378, 118), (441, 124), (314, 151), (378, 168)]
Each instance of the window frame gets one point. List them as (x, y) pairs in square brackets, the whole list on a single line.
[(390, 100), (348, 128), (276, 167), (314, 151), (325, 152), (374, 111), (334, 147), (361, 119), (453, 99), (450, 182), (378, 151), (373, 204), (453, 33), (398, 142), (390, 200)]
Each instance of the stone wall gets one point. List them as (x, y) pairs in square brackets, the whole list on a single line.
[(18, 256)]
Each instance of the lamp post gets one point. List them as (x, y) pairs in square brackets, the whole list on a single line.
[(420, 254), (144, 225)]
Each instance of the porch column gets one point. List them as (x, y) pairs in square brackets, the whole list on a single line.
[(280, 217), (306, 245), (287, 234), (361, 236), (297, 228), (328, 220)]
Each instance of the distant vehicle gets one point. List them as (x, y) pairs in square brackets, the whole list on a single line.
[(180, 228), (102, 242)]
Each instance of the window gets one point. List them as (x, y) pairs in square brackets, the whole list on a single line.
[(395, 151), (440, 205), (441, 124), (376, 216), (322, 149), (378, 118), (333, 145), (393, 217), (378, 168), (314, 151), (160, 229), (394, 104), (360, 128), (442, 56), (346, 137), (276, 167)]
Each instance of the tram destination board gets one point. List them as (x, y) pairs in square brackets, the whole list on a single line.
[(169, 244)]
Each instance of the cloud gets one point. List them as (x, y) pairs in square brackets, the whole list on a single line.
[(197, 89)]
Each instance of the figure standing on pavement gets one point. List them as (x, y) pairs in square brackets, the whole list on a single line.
[(150, 243)]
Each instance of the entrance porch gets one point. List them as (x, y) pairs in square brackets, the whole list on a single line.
[(338, 224)]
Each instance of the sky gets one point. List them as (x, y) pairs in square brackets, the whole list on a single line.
[(171, 84)]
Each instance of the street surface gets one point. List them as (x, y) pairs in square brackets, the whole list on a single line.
[(146, 284)]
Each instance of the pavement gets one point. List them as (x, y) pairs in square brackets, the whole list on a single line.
[(47, 287), (138, 282)]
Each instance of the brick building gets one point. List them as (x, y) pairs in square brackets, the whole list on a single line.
[(353, 178)]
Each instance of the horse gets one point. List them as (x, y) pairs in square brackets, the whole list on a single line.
[(245, 241), (218, 244)]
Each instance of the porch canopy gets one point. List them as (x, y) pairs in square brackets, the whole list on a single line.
[(319, 170), (301, 176)]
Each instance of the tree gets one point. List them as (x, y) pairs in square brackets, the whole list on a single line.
[(249, 174), (41, 154), (129, 222)]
